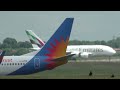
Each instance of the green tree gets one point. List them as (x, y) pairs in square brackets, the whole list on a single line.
[(5, 45), (25, 44), (11, 42), (0, 45), (75, 42), (117, 42), (103, 42), (97, 42), (21, 51), (9, 51)]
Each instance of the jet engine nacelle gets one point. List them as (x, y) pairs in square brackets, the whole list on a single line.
[(81, 54), (77, 54), (84, 55)]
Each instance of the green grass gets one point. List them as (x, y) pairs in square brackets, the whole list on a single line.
[(76, 70)]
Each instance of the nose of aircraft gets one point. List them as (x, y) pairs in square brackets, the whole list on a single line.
[(113, 51), (109, 50)]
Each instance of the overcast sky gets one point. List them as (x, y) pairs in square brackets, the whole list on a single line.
[(88, 25)]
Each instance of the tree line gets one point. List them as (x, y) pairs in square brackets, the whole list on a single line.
[(114, 43), (13, 47), (12, 43)]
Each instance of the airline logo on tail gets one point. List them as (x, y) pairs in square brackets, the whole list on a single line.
[(34, 39), (55, 51), (57, 44)]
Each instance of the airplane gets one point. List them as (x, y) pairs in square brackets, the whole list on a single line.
[(50, 56), (83, 51)]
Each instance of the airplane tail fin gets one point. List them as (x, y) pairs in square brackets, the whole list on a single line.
[(34, 39), (2, 53), (56, 46), (35, 47)]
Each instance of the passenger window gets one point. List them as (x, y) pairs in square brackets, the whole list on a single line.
[(13, 64), (7, 63), (10, 63), (18, 63)]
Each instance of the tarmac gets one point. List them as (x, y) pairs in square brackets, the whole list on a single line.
[(103, 60)]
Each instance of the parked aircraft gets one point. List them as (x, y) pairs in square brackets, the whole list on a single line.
[(85, 51)]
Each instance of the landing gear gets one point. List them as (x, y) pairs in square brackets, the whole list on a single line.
[(109, 58)]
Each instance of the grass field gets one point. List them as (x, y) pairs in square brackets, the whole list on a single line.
[(76, 70)]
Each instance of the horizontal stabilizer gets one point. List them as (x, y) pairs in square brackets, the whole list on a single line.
[(63, 58)]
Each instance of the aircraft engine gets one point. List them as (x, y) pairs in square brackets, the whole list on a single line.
[(84, 55)]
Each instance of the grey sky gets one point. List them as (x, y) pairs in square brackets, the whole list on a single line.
[(88, 25)]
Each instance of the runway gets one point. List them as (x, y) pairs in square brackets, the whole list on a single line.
[(101, 69), (103, 60)]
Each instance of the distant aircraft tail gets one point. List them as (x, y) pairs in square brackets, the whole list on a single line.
[(2, 53), (34, 39)]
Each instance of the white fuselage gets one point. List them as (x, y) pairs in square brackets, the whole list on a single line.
[(10, 64), (91, 49)]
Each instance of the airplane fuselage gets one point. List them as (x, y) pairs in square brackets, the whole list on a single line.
[(92, 49), (22, 65)]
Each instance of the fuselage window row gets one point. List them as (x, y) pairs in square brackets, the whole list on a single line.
[(12, 64), (88, 50)]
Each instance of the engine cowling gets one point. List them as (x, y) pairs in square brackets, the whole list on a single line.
[(77, 54), (84, 55)]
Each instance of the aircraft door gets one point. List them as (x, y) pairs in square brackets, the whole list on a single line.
[(36, 63)]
